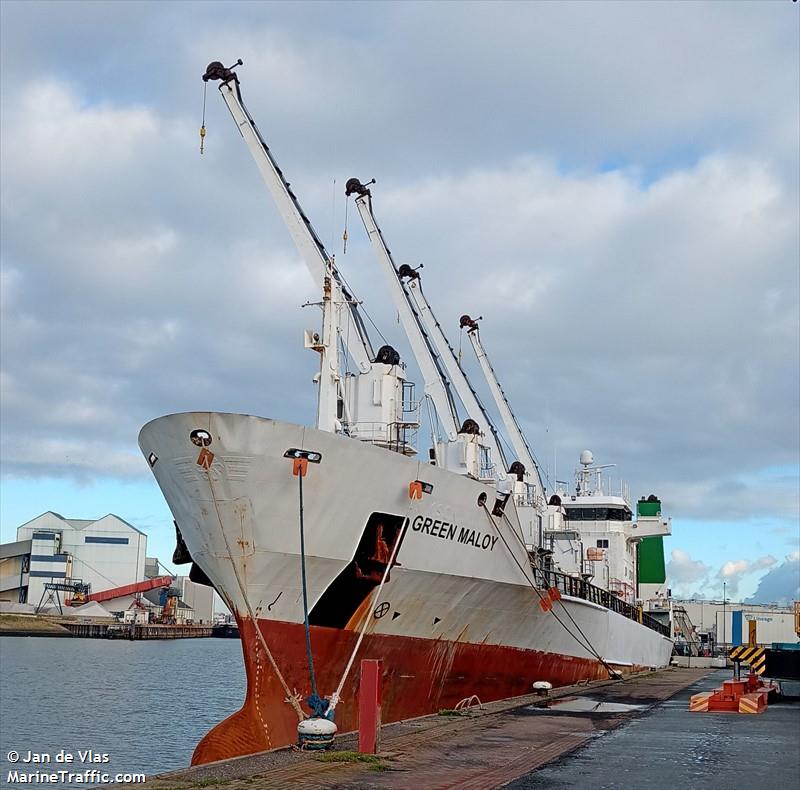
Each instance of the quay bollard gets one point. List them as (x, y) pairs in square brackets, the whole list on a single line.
[(369, 706)]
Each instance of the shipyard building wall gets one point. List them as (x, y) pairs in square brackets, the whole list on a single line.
[(106, 552), (730, 624), (14, 562), (199, 597)]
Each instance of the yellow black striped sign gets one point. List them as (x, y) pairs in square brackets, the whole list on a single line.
[(755, 656)]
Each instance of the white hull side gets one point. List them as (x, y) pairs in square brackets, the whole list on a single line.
[(443, 589)]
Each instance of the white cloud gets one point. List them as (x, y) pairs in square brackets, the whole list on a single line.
[(781, 584), (733, 571), (652, 269), (734, 568), (650, 308), (685, 574), (690, 578)]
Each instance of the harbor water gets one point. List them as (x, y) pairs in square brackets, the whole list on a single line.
[(144, 704)]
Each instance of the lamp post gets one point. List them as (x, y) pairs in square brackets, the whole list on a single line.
[(723, 616)]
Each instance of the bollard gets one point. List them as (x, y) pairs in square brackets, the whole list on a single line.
[(369, 706)]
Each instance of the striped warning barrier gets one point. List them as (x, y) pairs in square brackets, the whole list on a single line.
[(756, 657), (699, 702), (753, 703)]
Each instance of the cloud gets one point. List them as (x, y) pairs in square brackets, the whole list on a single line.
[(738, 567), (630, 240), (115, 309), (649, 269), (781, 584), (685, 573), (511, 77), (690, 578), (130, 296), (733, 571)]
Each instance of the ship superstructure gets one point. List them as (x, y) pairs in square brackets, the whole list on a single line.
[(338, 541), (599, 538)]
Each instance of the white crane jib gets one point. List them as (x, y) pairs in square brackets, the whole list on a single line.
[(316, 257), (518, 440), (466, 392), (465, 451), (436, 384), (376, 405)]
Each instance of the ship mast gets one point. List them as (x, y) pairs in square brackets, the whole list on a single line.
[(329, 392)]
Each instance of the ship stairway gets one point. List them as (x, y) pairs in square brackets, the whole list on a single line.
[(682, 627)]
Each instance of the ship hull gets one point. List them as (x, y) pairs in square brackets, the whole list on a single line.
[(457, 616), (419, 676)]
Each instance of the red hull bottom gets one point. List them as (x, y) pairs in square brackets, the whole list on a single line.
[(420, 676)]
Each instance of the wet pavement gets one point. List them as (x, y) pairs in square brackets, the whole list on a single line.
[(588, 705), (670, 747), (518, 742)]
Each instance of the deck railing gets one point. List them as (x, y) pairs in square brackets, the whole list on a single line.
[(578, 588)]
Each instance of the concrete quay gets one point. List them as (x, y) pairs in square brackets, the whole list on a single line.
[(628, 734), (32, 625), (669, 747)]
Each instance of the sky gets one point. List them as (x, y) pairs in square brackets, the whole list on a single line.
[(613, 186)]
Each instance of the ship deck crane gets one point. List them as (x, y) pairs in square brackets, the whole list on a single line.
[(372, 402), (466, 392), (429, 344), (319, 262), (512, 426), (437, 386)]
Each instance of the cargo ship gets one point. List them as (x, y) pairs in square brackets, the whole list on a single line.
[(339, 542)]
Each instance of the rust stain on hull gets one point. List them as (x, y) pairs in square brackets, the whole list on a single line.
[(420, 676)]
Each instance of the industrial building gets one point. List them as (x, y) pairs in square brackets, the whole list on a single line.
[(104, 553), (726, 623), (106, 557), (199, 600)]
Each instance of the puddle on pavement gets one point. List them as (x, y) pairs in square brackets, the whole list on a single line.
[(589, 705)]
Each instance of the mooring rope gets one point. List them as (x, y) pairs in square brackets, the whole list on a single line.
[(612, 672), (585, 643), (290, 697), (337, 695), (314, 701)]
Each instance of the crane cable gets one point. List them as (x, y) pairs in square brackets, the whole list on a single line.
[(203, 124), (344, 234), (290, 697), (335, 698), (585, 643)]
